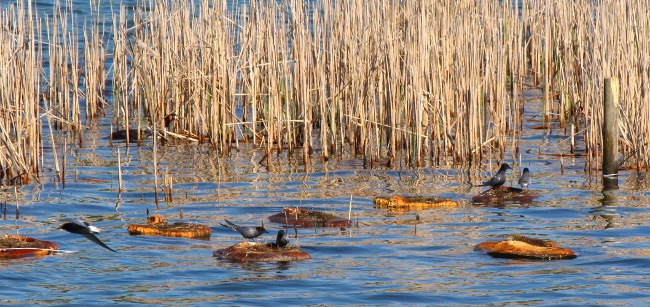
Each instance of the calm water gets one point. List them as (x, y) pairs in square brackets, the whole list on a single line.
[(387, 260)]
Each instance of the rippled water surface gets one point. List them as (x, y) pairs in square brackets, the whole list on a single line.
[(388, 259)]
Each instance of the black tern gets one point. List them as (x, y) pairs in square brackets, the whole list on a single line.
[(86, 230), (248, 232), (282, 239), (524, 180), (499, 178)]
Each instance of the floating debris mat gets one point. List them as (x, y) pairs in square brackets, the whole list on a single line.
[(307, 218), (522, 247), (408, 203), (253, 251), (158, 226), (505, 194), (15, 246)]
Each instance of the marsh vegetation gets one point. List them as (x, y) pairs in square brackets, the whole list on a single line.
[(410, 83)]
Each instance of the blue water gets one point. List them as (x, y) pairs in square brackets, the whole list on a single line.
[(386, 260)]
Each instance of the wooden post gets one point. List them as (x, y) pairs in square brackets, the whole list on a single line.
[(610, 132)]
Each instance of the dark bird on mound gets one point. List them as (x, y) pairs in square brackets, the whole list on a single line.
[(132, 133), (499, 178), (282, 239), (84, 229), (524, 180), (248, 232)]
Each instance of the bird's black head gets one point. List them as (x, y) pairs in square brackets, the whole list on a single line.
[(71, 227)]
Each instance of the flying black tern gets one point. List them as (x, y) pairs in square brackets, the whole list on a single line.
[(86, 230)]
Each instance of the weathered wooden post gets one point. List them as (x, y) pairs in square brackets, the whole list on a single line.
[(610, 134)]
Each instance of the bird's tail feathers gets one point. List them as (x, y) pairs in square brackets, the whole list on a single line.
[(229, 224)]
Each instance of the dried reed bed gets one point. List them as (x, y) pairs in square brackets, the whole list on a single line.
[(590, 42), (408, 82), (412, 82), (182, 62), (21, 57), (44, 86)]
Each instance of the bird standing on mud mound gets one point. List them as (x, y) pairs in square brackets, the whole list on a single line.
[(524, 180), (248, 232), (499, 178), (84, 229), (282, 239)]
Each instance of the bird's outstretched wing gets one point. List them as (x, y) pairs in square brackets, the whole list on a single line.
[(93, 238)]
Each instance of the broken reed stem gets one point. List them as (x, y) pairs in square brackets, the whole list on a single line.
[(54, 153), (17, 202)]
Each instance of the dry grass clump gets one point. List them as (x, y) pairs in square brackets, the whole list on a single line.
[(522, 247), (156, 225), (15, 246), (252, 251)]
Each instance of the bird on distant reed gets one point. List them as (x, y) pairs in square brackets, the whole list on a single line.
[(499, 178), (84, 229), (248, 232)]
